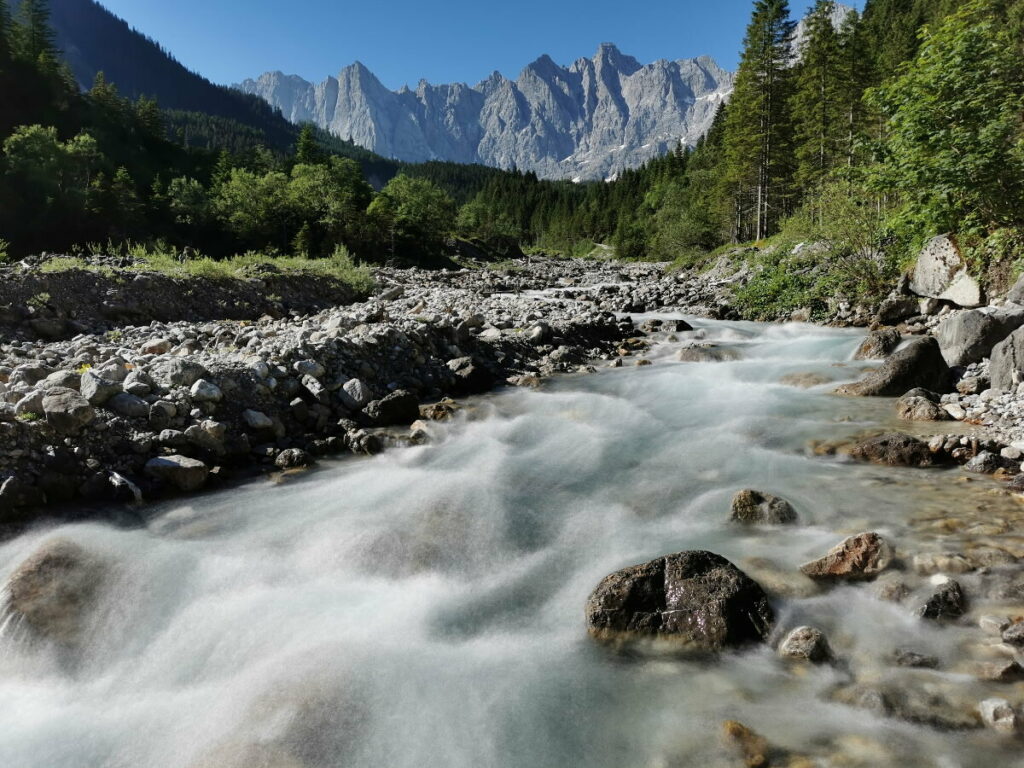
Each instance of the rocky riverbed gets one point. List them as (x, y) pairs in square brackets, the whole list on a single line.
[(97, 406)]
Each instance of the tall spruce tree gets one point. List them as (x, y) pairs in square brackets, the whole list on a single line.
[(34, 36), (825, 97), (6, 31), (758, 126)]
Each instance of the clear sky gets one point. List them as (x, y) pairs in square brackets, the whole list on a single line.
[(443, 41)]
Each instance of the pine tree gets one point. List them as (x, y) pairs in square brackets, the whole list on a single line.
[(817, 105), (33, 34), (6, 31), (307, 149), (757, 131)]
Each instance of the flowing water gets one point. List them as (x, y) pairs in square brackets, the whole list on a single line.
[(425, 607)]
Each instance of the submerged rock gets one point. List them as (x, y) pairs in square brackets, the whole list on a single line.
[(697, 599), (707, 353), (998, 715), (807, 643), (754, 507), (752, 748), (54, 589), (894, 449), (946, 602), (857, 558)]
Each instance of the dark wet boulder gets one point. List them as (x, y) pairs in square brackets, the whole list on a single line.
[(293, 458), (879, 344), (918, 364), (894, 449), (470, 377), (54, 589), (857, 558), (400, 407), (696, 599), (946, 602), (752, 507)]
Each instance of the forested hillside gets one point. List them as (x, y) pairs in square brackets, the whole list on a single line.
[(900, 123)]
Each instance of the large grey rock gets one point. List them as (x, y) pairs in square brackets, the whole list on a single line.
[(941, 273), (67, 411), (968, 337), (1007, 365), (171, 372), (54, 589), (588, 120), (96, 389), (204, 391), (698, 599), (918, 364), (183, 473), (355, 394)]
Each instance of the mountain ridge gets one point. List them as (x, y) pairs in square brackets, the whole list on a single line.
[(588, 120)]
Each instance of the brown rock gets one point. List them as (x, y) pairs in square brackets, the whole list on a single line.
[(858, 558)]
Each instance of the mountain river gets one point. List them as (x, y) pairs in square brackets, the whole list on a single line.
[(424, 608)]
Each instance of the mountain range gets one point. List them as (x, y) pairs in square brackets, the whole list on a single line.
[(589, 120)]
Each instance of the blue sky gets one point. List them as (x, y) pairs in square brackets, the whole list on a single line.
[(446, 41)]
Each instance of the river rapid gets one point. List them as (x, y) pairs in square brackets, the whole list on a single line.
[(425, 607)]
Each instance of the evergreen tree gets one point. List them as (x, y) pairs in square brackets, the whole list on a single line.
[(817, 106), (307, 149), (6, 31), (34, 36), (758, 126)]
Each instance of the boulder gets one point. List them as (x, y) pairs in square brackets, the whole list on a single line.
[(896, 308), (183, 473), (857, 558), (67, 411), (293, 458), (894, 449), (696, 599), (158, 346), (204, 391), (54, 589), (129, 406), (918, 364), (941, 273), (985, 463), (96, 389), (400, 407), (968, 337), (913, 407), (470, 376), (309, 368), (946, 602), (807, 644), (257, 420), (754, 507), (1007, 365), (355, 394), (173, 372), (879, 344), (998, 715)]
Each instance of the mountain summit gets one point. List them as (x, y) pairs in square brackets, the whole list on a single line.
[(589, 120)]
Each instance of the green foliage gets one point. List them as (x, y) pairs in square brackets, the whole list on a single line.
[(954, 144)]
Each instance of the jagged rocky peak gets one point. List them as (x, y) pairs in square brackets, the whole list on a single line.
[(588, 120), (839, 16)]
